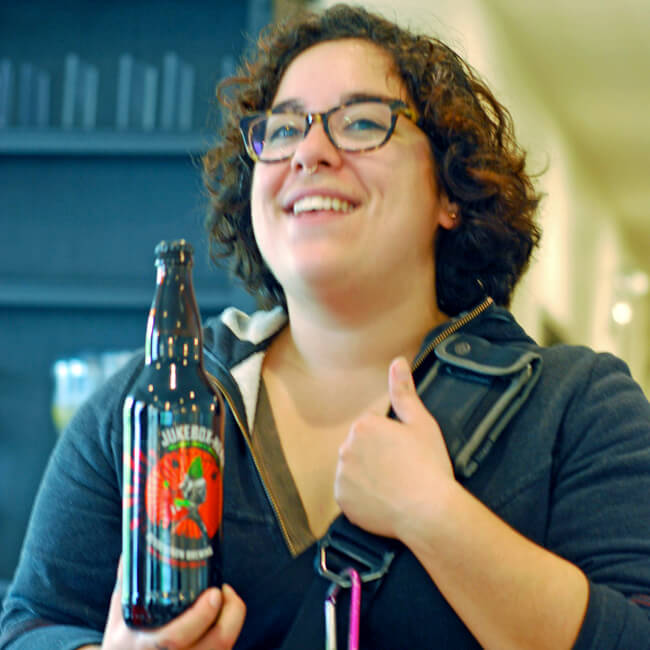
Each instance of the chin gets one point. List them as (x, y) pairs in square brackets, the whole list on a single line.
[(315, 279)]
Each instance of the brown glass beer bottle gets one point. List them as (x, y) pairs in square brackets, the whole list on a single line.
[(173, 457)]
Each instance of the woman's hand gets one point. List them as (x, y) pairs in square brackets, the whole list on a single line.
[(213, 622), (396, 479), (389, 469)]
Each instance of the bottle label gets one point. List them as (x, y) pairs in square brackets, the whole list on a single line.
[(183, 495)]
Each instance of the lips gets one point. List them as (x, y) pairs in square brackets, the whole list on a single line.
[(318, 202)]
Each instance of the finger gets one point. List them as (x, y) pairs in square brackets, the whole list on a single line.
[(231, 619), (115, 628), (115, 607), (367, 426), (225, 632), (192, 624), (401, 389)]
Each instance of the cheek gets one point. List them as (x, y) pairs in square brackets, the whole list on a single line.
[(259, 201), (256, 199), (266, 184), (410, 184), (265, 207), (424, 179), (424, 168)]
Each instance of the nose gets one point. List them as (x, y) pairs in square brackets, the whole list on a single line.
[(315, 149)]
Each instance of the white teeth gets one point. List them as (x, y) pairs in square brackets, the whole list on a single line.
[(310, 203)]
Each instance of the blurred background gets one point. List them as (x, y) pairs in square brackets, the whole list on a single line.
[(106, 107)]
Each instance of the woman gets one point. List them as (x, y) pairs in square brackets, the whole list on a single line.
[(380, 204)]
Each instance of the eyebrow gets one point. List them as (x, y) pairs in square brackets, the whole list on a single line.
[(298, 106)]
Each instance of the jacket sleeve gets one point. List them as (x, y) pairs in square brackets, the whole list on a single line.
[(600, 516), (61, 590)]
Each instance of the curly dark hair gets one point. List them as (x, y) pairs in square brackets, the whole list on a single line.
[(479, 165)]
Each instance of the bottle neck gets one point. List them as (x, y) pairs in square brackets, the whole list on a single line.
[(174, 325)]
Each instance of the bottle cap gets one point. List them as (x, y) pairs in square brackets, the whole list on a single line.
[(178, 250)]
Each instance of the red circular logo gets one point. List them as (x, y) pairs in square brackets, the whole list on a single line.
[(184, 492)]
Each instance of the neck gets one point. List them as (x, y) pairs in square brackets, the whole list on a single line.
[(354, 334)]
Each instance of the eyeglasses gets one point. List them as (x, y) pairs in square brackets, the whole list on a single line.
[(359, 125)]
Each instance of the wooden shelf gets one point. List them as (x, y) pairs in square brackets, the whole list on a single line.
[(65, 296), (76, 142)]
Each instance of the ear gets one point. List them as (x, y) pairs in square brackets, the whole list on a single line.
[(449, 213)]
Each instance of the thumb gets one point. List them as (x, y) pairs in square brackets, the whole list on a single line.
[(401, 390), (115, 608)]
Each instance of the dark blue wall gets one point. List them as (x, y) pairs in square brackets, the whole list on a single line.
[(78, 224)]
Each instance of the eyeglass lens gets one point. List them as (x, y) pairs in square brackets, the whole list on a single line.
[(354, 127)]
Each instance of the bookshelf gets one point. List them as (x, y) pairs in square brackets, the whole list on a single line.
[(97, 164), (70, 296), (75, 72), (26, 141)]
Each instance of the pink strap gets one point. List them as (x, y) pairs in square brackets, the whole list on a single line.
[(355, 609), (354, 615)]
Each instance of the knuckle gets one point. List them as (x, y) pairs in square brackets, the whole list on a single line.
[(224, 638), (164, 644), (361, 425), (353, 432)]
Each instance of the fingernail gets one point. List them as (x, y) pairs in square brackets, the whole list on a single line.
[(402, 370), (214, 598)]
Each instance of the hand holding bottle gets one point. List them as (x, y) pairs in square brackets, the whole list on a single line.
[(213, 622)]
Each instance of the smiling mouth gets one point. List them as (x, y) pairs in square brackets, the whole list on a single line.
[(317, 203)]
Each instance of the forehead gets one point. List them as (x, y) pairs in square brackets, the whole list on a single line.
[(326, 73)]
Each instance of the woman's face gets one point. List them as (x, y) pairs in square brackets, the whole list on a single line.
[(379, 234)]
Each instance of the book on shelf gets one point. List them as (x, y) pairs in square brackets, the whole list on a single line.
[(170, 83), (80, 92), (42, 96), (149, 98), (70, 83), (177, 97), (88, 91), (33, 96), (6, 92), (186, 97), (123, 96), (25, 94), (137, 95)]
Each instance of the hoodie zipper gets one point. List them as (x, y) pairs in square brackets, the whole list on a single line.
[(453, 327)]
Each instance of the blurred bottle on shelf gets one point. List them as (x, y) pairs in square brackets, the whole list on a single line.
[(75, 378)]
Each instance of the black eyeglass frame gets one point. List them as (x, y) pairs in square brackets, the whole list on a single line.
[(397, 108)]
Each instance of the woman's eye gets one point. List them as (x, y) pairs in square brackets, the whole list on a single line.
[(364, 124), (283, 132)]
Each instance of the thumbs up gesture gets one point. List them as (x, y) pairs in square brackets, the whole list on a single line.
[(390, 469)]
